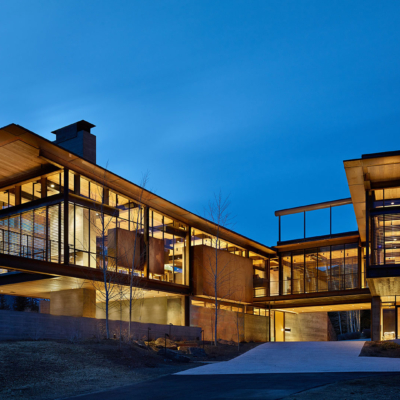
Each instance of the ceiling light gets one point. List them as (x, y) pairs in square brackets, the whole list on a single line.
[(52, 185), (392, 202)]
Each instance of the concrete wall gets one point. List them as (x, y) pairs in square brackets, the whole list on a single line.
[(157, 310), (376, 318), (251, 327), (306, 327), (16, 325), (74, 303), (236, 274), (256, 328)]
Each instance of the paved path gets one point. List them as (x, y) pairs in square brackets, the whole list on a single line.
[(300, 357), (222, 387)]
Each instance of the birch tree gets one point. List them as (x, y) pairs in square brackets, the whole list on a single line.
[(218, 274)]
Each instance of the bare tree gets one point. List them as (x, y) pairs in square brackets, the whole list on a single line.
[(114, 286), (239, 317), (135, 290), (218, 274)]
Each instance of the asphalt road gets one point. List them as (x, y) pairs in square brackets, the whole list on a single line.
[(206, 387)]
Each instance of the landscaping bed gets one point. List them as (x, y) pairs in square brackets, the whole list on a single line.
[(380, 349)]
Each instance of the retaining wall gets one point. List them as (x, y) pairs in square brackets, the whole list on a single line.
[(16, 325)]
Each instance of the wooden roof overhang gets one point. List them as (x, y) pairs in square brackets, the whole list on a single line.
[(372, 171), (25, 153)]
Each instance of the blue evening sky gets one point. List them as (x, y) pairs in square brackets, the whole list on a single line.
[(261, 99)]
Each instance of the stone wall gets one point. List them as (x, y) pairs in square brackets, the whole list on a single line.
[(16, 325)]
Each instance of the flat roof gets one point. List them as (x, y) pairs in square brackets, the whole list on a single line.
[(312, 207)]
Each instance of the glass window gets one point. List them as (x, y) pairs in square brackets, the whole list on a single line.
[(167, 249), (287, 273), (311, 256), (54, 184), (7, 199), (385, 239), (274, 277), (324, 261), (27, 193), (298, 271), (351, 266), (84, 188), (337, 267)]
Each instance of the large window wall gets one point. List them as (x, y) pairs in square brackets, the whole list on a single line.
[(386, 239), (167, 248), (200, 238), (319, 269), (34, 234)]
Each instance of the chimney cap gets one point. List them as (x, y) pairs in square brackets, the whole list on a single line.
[(80, 126)]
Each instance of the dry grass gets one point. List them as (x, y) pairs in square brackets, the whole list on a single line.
[(57, 369), (50, 369), (380, 349)]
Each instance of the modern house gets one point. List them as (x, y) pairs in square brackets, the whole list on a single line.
[(64, 220)]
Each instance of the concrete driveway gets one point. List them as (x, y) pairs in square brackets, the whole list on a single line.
[(300, 357)]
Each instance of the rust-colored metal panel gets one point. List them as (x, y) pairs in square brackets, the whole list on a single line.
[(234, 275), (121, 244), (157, 256)]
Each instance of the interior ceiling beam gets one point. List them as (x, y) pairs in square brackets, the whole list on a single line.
[(385, 184), (43, 170)]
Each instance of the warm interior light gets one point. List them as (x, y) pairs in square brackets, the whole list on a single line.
[(52, 185)]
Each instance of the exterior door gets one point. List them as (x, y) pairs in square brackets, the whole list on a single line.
[(279, 326)]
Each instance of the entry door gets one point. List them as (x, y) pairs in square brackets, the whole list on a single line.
[(279, 326)]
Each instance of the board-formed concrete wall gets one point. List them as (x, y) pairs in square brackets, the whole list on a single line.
[(73, 303), (251, 327), (157, 310), (256, 328), (304, 327), (16, 325)]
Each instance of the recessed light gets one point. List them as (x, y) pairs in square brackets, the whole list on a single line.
[(52, 185)]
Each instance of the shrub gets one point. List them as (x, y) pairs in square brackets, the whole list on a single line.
[(367, 333), (349, 336)]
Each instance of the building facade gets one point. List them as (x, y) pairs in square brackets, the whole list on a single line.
[(78, 235)]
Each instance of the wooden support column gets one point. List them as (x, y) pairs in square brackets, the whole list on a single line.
[(77, 184), (106, 196), (66, 218), (188, 259), (146, 242), (17, 195), (187, 310), (43, 187), (280, 275)]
